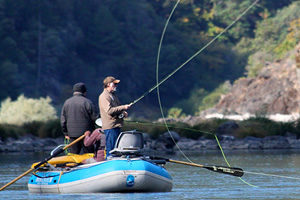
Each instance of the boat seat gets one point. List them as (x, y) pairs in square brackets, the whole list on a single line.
[(128, 142)]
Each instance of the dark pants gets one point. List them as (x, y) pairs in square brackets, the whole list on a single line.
[(76, 148), (111, 138)]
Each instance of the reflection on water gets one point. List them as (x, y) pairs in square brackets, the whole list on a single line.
[(189, 182)]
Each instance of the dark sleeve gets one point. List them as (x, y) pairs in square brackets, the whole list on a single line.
[(63, 120), (92, 111)]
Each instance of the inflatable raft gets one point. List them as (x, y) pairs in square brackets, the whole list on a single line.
[(127, 171)]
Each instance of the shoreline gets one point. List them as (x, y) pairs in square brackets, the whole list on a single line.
[(164, 143)]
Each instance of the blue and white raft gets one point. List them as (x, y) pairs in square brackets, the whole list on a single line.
[(125, 172)]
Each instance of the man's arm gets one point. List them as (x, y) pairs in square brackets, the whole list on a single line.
[(108, 108), (63, 121), (92, 111)]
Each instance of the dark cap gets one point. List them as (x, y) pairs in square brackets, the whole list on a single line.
[(79, 87), (110, 79)]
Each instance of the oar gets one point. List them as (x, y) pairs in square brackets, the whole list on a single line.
[(43, 162), (233, 171)]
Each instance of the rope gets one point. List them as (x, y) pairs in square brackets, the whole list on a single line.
[(66, 142)]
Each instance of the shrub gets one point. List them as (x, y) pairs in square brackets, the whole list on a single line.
[(205, 128), (256, 127), (175, 113), (153, 129), (7, 130), (213, 98), (25, 110), (51, 128), (274, 37), (191, 104), (262, 127), (32, 127)]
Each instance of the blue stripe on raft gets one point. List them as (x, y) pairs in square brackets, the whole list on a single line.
[(105, 167)]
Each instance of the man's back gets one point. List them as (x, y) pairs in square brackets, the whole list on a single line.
[(78, 115)]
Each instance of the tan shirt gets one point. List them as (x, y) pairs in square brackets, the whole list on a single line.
[(110, 109)]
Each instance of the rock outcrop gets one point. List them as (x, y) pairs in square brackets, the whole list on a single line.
[(276, 90)]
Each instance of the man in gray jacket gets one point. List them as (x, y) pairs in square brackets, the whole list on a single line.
[(77, 116)]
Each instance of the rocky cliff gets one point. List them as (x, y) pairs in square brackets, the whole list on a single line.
[(276, 90)]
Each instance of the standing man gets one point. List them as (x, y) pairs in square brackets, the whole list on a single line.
[(111, 112), (77, 116)]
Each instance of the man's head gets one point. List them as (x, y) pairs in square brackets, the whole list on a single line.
[(110, 83), (79, 87)]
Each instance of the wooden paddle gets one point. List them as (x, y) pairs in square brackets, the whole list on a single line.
[(233, 171), (43, 162)]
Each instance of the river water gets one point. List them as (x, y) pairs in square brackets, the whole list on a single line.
[(278, 177)]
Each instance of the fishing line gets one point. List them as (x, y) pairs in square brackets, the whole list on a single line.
[(197, 53), (209, 133), (187, 61), (274, 175), (157, 89)]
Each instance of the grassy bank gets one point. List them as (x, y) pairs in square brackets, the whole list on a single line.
[(50, 128), (256, 127)]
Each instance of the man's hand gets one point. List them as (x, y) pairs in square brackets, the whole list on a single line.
[(127, 106), (87, 133)]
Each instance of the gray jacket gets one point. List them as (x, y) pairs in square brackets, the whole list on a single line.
[(77, 116)]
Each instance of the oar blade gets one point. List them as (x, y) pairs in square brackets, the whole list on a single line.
[(233, 171)]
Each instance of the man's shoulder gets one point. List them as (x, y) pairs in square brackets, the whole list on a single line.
[(77, 98), (104, 95), (70, 99)]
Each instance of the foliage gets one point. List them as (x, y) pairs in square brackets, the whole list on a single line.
[(50, 45), (192, 103), (146, 127), (40, 129), (47, 46), (175, 113), (7, 130), (200, 100), (213, 98), (51, 128), (206, 128), (262, 127), (274, 37), (291, 39), (25, 110)]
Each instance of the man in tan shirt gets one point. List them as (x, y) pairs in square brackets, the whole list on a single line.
[(112, 112)]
